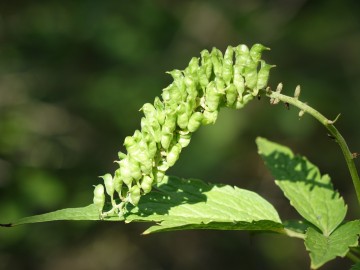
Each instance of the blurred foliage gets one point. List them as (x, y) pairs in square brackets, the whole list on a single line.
[(73, 75)]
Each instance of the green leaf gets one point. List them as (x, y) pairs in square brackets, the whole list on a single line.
[(90, 212), (325, 248), (311, 194), (178, 204)]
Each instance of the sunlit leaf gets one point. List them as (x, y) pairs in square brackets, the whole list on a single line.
[(325, 248), (311, 193)]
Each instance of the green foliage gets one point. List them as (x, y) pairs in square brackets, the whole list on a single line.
[(313, 196), (310, 193), (193, 99), (324, 248)]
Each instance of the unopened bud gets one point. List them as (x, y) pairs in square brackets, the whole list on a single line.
[(297, 91)]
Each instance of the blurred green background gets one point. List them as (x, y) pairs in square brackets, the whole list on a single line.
[(73, 75)]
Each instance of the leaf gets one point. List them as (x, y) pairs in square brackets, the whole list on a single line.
[(325, 248), (89, 212), (311, 194), (193, 204), (177, 204)]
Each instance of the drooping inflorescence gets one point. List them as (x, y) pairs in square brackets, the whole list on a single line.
[(193, 99)]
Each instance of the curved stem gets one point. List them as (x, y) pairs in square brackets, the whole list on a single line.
[(353, 257), (329, 124)]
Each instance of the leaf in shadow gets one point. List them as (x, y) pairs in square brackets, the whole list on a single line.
[(179, 204), (311, 194)]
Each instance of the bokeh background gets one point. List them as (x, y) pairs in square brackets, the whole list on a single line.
[(73, 75)]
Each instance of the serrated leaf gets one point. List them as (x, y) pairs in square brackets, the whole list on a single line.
[(311, 194), (193, 204), (325, 248), (177, 204)]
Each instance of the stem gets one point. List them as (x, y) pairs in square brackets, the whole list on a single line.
[(353, 257), (329, 124)]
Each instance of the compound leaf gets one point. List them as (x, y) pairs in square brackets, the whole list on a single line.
[(311, 193), (325, 248)]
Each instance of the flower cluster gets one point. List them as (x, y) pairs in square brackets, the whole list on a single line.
[(193, 99)]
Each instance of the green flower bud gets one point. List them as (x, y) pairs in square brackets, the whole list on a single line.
[(217, 60), (134, 195), (191, 89), (297, 92), (183, 116), (193, 66), (178, 92), (184, 139), (118, 182), (146, 166), (220, 85), (166, 139), (121, 155), (125, 171), (170, 123), (242, 55), (203, 78), (173, 154), (231, 95), (301, 113), (239, 81), (109, 184), (163, 165), (183, 120), (139, 152), (152, 127), (190, 83), (191, 103), (195, 121), (137, 135), (172, 94), (99, 197), (129, 142), (148, 110), (158, 175), (135, 169), (212, 97), (152, 149), (256, 51), (209, 117), (251, 77), (240, 103), (263, 75), (228, 65), (206, 63), (146, 184), (160, 113)]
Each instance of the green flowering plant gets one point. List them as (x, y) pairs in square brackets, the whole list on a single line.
[(193, 99), (140, 190)]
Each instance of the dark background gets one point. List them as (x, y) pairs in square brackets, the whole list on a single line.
[(73, 75)]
